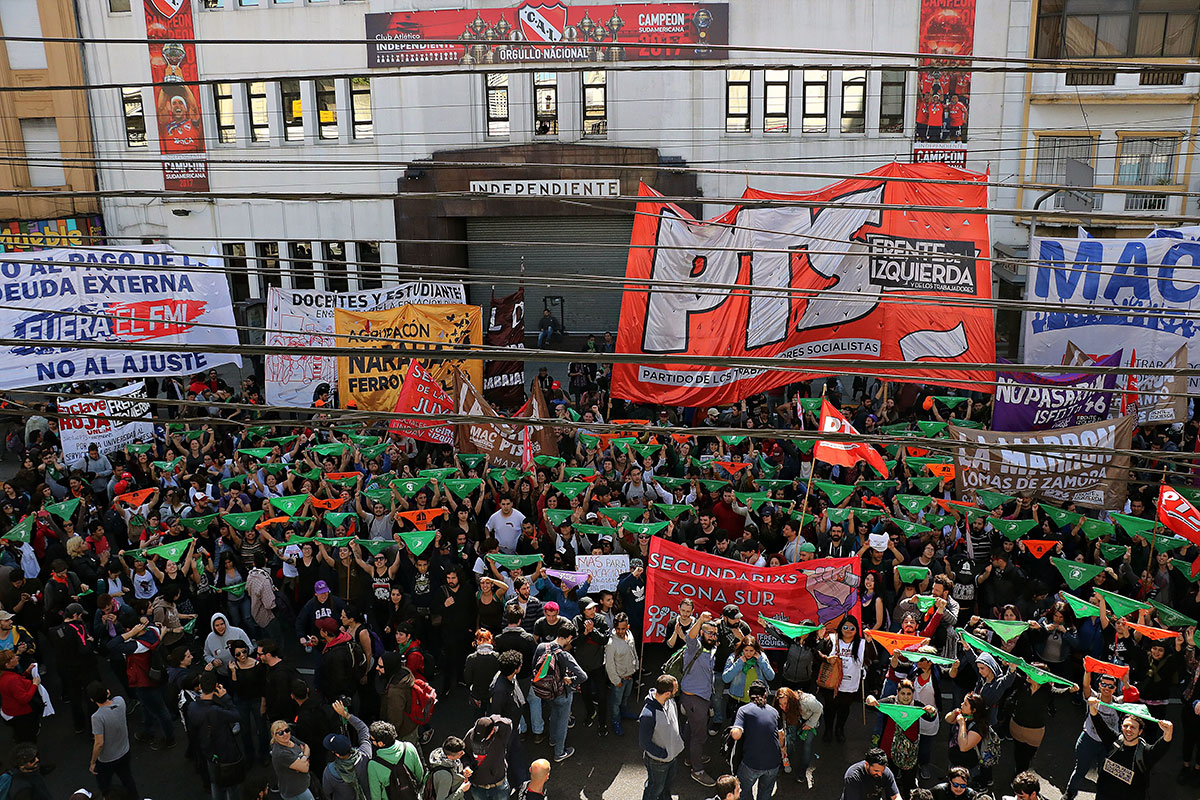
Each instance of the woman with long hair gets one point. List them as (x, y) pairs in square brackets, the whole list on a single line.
[(801, 714), (744, 666), (850, 648), (968, 728)]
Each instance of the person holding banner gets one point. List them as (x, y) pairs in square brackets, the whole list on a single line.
[(1125, 772)]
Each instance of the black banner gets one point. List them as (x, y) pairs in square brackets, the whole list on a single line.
[(504, 381)]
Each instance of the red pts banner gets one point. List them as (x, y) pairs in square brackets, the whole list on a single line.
[(857, 276), (504, 381), (177, 101), (549, 31), (422, 394), (821, 591)]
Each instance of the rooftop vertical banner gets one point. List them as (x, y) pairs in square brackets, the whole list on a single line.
[(947, 38), (176, 94)]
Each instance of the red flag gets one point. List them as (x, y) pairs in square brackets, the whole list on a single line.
[(732, 467), (1099, 667), (268, 522), (421, 517), (1181, 517), (1039, 547), (328, 505), (682, 438), (422, 394), (337, 476), (845, 454), (135, 498), (526, 450), (1129, 398), (1152, 632)]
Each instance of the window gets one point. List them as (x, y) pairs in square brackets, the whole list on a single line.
[(334, 255), (268, 265), (223, 101), (1053, 152), (327, 127), (1146, 161), (256, 105), (1117, 28), (891, 101), (20, 18), (775, 100), (545, 103), (737, 101), (854, 101), (43, 153), (245, 3), (235, 267), (496, 102), (369, 270), (293, 111), (301, 265), (595, 103), (361, 118), (118, 6), (135, 118), (214, 4), (816, 98)]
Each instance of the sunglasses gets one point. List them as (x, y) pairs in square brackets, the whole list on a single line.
[(282, 731), (957, 785)]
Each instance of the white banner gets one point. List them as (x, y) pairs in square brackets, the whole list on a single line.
[(1139, 274), (605, 570), (303, 318), (101, 421), (125, 298)]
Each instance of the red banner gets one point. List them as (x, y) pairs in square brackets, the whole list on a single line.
[(422, 394), (1180, 517), (872, 249), (504, 381), (947, 34), (821, 591), (177, 100), (549, 31)]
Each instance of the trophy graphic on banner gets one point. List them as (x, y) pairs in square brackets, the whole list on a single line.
[(702, 20), (174, 54), (614, 26)]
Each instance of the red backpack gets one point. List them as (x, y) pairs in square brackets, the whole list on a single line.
[(421, 701)]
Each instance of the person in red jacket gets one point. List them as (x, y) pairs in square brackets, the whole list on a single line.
[(19, 699), (138, 645), (933, 130), (958, 117)]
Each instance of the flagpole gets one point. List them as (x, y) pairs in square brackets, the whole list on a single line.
[(812, 469)]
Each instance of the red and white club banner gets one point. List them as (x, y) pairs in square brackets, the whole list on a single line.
[(821, 591), (176, 94), (871, 268)]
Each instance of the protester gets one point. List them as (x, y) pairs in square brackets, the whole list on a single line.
[(660, 738), (110, 740), (759, 729)]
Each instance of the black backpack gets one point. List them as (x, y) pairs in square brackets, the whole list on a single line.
[(430, 792), (401, 784), (731, 751), (552, 684)]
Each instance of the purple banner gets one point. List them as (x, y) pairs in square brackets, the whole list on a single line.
[(1029, 401)]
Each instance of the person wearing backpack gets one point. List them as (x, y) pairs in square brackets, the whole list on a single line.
[(395, 771), (341, 660), (556, 674), (447, 778), (486, 746), (396, 698), (695, 676)]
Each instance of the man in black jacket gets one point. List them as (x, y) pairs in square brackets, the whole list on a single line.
[(210, 720), (508, 701), (312, 722), (486, 749), (277, 700), (589, 647), (339, 672), (515, 637), (74, 647)]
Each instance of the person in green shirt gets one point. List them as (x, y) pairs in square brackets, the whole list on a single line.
[(389, 750)]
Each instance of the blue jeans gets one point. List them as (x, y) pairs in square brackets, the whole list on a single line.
[(659, 776), (764, 779), (544, 338), (222, 792), (560, 716), (1088, 754), (154, 711), (802, 752), (305, 795), (536, 721), (618, 696), (495, 793)]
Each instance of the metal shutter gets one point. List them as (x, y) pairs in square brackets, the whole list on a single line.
[(584, 310)]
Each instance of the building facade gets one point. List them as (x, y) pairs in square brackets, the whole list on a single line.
[(47, 132), (476, 163)]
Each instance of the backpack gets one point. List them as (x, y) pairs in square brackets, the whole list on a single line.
[(421, 700), (429, 792), (401, 785), (798, 665), (731, 751), (904, 750), (675, 666), (360, 664), (550, 684)]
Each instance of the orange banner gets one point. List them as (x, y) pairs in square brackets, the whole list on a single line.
[(896, 641), (328, 505), (421, 517), (1098, 667), (135, 499), (1039, 547)]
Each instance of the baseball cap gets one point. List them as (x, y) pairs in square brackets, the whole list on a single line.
[(551, 606), (592, 515), (483, 727), (587, 603), (6, 615), (121, 487), (731, 610), (714, 413), (320, 587), (327, 624), (808, 547), (338, 744), (635, 563)]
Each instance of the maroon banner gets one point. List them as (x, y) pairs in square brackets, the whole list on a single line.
[(504, 381), (821, 591), (176, 94), (548, 31), (947, 33)]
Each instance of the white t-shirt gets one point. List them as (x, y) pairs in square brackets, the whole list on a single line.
[(507, 530), (852, 670)]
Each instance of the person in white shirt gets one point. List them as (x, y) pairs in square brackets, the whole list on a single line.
[(505, 525)]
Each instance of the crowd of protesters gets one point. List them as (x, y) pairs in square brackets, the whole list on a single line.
[(260, 593)]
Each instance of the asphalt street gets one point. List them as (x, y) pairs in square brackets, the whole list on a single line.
[(609, 767)]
